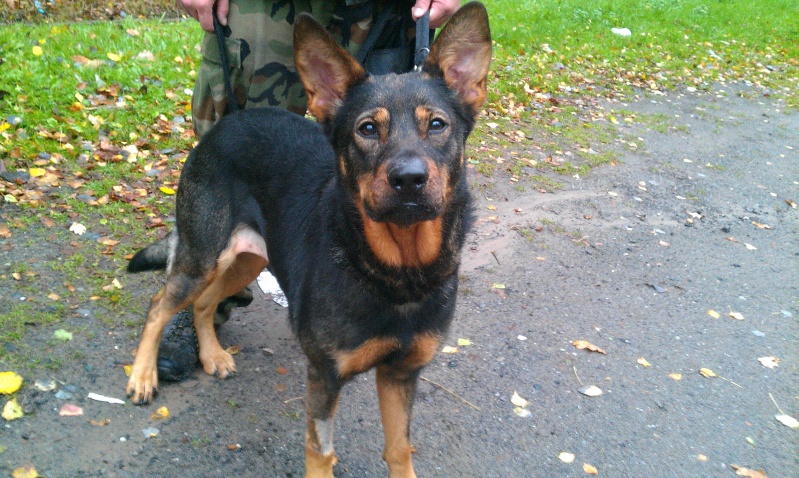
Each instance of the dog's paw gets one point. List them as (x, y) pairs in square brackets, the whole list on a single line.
[(219, 364), (142, 386)]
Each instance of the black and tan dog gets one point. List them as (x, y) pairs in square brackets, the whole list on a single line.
[(362, 220)]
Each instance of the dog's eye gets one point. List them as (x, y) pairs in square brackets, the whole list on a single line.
[(368, 129), (437, 124)]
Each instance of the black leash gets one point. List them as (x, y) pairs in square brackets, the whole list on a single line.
[(220, 42), (422, 41)]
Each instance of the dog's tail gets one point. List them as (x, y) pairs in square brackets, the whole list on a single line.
[(156, 256)]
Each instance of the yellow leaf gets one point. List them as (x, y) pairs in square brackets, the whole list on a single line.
[(613, 119), (166, 190), (464, 342), (713, 313), (37, 50), (586, 345), (644, 362), (492, 208), (9, 382), (566, 457), (27, 471), (591, 470), (160, 414), (12, 410), (787, 420), (498, 286), (127, 369), (113, 57), (449, 350), (4, 126), (675, 376), (36, 172), (518, 400), (706, 372)]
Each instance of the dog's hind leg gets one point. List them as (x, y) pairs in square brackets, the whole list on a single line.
[(175, 295), (320, 407), (238, 265)]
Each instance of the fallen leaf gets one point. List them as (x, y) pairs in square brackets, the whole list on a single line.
[(522, 412), (62, 335), (644, 362), (282, 370), (101, 422), (53, 296), (742, 471), (713, 313), (701, 457), (566, 457), (675, 376), (10, 382), (166, 190), (787, 420), (498, 286), (12, 410), (790, 203), (77, 228), (103, 398), (736, 315), (464, 342), (232, 350), (517, 400), (750, 246), (590, 391), (590, 470), (769, 362), (160, 414), (586, 345), (27, 471), (43, 386), (761, 226), (706, 372), (37, 172), (234, 447), (127, 368), (448, 349), (70, 410), (113, 57)]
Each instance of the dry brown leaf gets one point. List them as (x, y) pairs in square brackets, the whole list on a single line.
[(232, 350), (742, 471), (586, 345), (282, 370), (101, 422), (706, 372)]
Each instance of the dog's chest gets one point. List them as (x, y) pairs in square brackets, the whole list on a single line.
[(378, 350)]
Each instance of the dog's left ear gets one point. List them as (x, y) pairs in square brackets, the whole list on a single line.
[(326, 70), (461, 54)]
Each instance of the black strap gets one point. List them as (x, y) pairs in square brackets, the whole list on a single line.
[(422, 41), (374, 34), (220, 42)]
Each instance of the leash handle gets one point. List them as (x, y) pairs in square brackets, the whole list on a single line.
[(422, 41), (220, 42)]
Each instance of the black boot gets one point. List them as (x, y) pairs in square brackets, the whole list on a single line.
[(178, 352)]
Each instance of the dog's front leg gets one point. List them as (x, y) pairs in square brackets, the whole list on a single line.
[(320, 408), (395, 391)]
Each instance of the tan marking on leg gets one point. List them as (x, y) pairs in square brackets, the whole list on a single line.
[(396, 399), (366, 356), (237, 266), (421, 351), (143, 382)]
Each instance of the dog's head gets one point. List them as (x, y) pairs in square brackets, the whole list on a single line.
[(399, 139)]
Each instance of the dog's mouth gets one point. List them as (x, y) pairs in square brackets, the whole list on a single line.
[(403, 214), (405, 192)]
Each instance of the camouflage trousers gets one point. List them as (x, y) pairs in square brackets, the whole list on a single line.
[(261, 57)]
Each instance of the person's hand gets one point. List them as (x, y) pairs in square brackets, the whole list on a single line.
[(440, 10), (202, 10)]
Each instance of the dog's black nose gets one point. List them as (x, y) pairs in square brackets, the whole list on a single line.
[(409, 176)]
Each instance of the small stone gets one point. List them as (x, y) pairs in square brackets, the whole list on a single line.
[(758, 333), (44, 155), (590, 391), (63, 395), (786, 313), (15, 176), (13, 120)]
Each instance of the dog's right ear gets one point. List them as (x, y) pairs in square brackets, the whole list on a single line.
[(326, 70)]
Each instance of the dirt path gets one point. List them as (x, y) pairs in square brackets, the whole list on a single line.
[(630, 258)]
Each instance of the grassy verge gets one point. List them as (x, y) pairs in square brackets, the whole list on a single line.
[(96, 117)]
